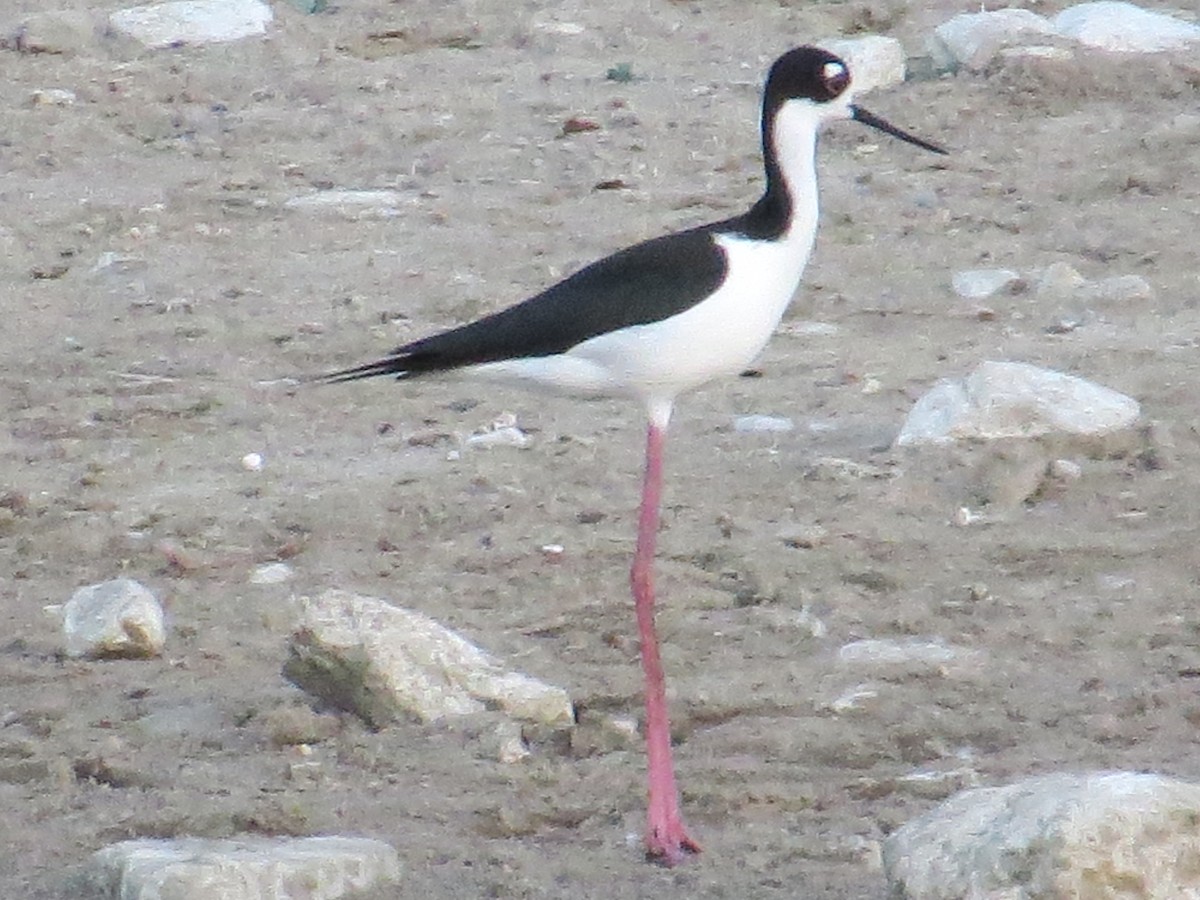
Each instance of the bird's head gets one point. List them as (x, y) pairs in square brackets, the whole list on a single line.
[(811, 86)]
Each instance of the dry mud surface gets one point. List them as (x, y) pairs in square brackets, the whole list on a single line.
[(156, 293)]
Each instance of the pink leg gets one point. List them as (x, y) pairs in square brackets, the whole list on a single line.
[(667, 840)]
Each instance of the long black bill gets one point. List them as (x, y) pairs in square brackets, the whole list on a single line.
[(861, 115)]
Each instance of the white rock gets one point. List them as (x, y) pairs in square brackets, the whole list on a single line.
[(1008, 399), (1124, 27), (853, 700), (118, 618), (974, 39), (1121, 834), (383, 662), (503, 436), (252, 462), (192, 21), (758, 424), (917, 653), (1066, 470), (979, 284), (875, 61), (272, 573), (354, 205), (249, 868), (1118, 289), (52, 97)]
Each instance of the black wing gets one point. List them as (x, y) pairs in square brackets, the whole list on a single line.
[(645, 283)]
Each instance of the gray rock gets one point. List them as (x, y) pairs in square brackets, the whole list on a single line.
[(760, 424), (383, 662), (1124, 28), (1016, 400), (979, 284), (248, 868), (119, 618), (919, 654), (1120, 834), (1118, 289), (350, 204), (192, 21), (973, 39), (272, 573)]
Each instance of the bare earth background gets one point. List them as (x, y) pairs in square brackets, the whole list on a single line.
[(132, 384)]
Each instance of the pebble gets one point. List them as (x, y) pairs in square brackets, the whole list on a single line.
[(1115, 290), (1124, 28), (252, 462), (272, 573), (383, 662), (354, 205), (185, 22), (52, 97), (503, 432), (1059, 835), (979, 284), (915, 653), (758, 424), (245, 868), (114, 619), (1015, 400), (853, 700)]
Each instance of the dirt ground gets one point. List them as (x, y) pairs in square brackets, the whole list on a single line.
[(157, 296)]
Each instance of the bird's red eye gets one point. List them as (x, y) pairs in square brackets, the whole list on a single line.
[(836, 77)]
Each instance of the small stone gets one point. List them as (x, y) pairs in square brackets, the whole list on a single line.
[(114, 619), (350, 204), (272, 573), (853, 700), (1066, 470), (246, 868), (1115, 290), (1124, 28), (804, 537), (252, 462), (501, 433), (758, 424), (52, 97), (183, 22), (1106, 834), (979, 284), (919, 654)]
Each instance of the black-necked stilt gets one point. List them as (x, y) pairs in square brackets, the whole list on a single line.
[(657, 319)]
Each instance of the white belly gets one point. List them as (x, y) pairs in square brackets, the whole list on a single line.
[(721, 335)]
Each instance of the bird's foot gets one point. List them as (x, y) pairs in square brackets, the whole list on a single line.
[(668, 844)]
